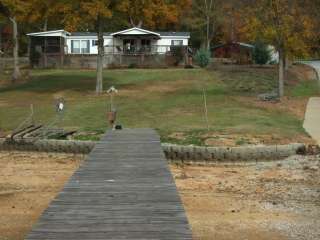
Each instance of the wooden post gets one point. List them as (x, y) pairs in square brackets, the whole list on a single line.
[(61, 51), (29, 51), (186, 56), (45, 53)]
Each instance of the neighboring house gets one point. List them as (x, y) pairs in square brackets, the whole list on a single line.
[(234, 52), (133, 41)]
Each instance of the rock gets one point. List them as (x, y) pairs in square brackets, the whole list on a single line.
[(272, 96), (314, 168), (306, 167)]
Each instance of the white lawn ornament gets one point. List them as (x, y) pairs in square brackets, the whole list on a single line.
[(60, 105)]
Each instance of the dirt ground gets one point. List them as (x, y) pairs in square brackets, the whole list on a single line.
[(28, 182), (263, 201), (273, 200)]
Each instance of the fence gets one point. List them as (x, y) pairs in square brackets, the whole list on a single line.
[(7, 62)]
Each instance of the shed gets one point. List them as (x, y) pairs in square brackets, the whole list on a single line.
[(234, 52)]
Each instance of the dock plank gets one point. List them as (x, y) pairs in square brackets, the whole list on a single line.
[(124, 190)]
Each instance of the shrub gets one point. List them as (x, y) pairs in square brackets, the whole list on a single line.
[(132, 65), (261, 53), (202, 58)]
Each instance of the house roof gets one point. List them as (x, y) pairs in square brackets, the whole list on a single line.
[(135, 31), (175, 34), (131, 31), (88, 34), (246, 45), (54, 33), (162, 34)]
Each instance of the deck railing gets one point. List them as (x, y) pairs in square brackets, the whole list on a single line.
[(137, 50)]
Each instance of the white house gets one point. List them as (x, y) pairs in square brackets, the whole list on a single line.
[(130, 41)]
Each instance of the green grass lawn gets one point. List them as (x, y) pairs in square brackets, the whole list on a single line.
[(169, 100)]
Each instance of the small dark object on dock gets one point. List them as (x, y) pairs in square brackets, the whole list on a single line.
[(118, 127)]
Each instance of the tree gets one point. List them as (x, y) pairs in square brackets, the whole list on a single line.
[(283, 24), (151, 13), (14, 11), (205, 16), (261, 53), (203, 57), (92, 13), (41, 12)]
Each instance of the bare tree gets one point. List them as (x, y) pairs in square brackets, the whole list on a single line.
[(206, 15), (4, 10), (16, 70)]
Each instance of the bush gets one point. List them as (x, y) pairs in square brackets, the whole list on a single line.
[(178, 54), (202, 57), (261, 53), (132, 65)]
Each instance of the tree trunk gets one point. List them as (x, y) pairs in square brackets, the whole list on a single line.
[(100, 58), (232, 35), (16, 71), (140, 24), (45, 24), (281, 72), (208, 33)]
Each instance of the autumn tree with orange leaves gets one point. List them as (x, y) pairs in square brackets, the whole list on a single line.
[(283, 24), (94, 14), (14, 10), (153, 14)]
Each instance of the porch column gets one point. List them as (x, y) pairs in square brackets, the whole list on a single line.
[(45, 53), (61, 51)]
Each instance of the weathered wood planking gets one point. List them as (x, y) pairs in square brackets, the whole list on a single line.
[(124, 190)]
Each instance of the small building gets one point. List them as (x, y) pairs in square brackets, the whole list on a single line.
[(233, 52), (60, 47)]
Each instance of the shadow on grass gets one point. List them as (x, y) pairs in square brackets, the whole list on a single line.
[(80, 81)]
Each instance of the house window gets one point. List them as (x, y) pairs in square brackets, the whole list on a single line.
[(176, 42), (94, 43), (75, 46), (85, 46), (80, 46)]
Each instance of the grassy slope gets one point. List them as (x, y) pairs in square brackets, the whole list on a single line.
[(169, 100)]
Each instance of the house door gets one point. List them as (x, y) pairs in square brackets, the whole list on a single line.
[(145, 45), (129, 45)]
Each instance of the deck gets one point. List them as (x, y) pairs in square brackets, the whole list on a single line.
[(124, 190)]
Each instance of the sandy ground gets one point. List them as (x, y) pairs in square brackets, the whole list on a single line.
[(264, 201), (28, 182), (274, 200)]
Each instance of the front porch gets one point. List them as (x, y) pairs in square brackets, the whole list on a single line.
[(136, 48)]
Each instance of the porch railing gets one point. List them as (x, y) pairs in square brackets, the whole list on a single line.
[(137, 50)]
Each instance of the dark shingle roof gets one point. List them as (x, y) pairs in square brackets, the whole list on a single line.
[(87, 34), (178, 34)]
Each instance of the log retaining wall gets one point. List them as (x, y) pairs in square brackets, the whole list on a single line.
[(175, 153)]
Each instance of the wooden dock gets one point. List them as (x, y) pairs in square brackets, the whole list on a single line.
[(124, 190)]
